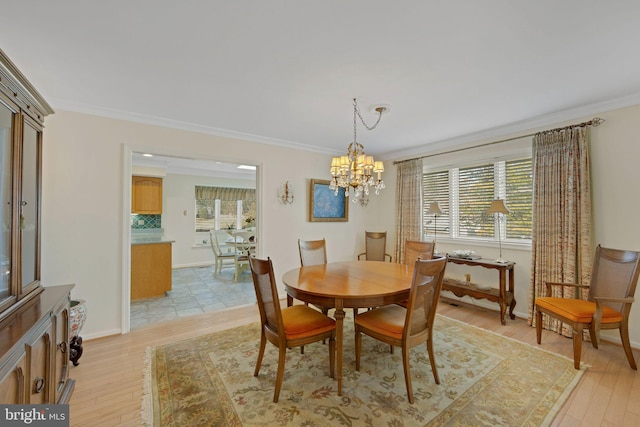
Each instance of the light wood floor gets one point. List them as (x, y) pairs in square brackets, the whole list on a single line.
[(109, 378)]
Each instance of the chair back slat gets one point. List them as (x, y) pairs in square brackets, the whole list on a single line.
[(312, 252), (266, 293), (423, 296)]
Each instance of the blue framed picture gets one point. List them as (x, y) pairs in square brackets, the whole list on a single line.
[(325, 205)]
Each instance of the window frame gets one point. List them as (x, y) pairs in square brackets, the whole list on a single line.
[(453, 237)]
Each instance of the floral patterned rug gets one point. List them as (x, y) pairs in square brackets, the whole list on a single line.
[(485, 380)]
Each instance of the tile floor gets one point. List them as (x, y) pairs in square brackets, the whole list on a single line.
[(195, 290)]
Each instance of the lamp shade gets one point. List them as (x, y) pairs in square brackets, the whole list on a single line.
[(434, 209), (497, 206)]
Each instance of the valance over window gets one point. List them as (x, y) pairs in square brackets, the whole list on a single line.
[(225, 193)]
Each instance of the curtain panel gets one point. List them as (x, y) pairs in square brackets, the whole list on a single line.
[(225, 193), (408, 204), (562, 248)]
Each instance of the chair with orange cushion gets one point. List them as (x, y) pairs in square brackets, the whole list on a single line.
[(613, 283), (289, 327), (375, 246), (312, 252), (410, 326), (414, 250)]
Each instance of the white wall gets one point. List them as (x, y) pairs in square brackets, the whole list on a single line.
[(83, 218), (83, 203)]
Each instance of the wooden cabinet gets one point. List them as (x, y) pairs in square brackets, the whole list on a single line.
[(33, 324), (150, 270), (146, 195), (34, 357)]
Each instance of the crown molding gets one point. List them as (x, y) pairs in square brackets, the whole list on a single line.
[(180, 125), (513, 129)]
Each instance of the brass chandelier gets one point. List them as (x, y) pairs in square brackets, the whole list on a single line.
[(355, 171)]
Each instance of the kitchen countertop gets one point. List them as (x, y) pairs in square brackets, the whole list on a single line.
[(148, 240)]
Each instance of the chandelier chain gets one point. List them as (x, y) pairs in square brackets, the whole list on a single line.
[(356, 110)]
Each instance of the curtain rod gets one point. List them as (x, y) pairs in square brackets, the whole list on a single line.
[(596, 121)]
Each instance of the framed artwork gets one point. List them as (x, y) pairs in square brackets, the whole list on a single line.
[(325, 205)]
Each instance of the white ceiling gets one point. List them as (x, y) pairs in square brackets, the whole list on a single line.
[(285, 71)]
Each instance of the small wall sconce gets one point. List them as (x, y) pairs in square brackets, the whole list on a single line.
[(285, 194)]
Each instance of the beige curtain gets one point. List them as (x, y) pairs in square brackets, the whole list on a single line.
[(562, 248), (408, 204)]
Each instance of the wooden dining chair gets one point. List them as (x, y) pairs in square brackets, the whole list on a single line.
[(221, 259), (613, 283), (375, 246), (289, 327), (414, 250), (312, 252), (410, 326)]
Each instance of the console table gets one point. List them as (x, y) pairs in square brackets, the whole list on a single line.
[(502, 295)]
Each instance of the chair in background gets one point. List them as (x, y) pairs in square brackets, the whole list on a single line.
[(613, 284), (221, 259), (414, 250), (375, 245), (289, 327), (312, 252), (410, 326), (243, 247)]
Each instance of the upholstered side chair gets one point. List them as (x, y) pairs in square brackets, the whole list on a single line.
[(613, 284), (289, 327), (410, 326), (375, 246)]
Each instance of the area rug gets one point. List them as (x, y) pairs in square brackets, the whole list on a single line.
[(485, 380)]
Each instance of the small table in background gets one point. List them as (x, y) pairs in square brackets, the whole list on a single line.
[(503, 296)]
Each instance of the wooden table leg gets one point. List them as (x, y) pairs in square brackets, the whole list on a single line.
[(339, 315), (513, 295), (503, 296)]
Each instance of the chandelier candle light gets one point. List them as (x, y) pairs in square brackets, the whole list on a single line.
[(498, 208), (355, 171), (434, 209)]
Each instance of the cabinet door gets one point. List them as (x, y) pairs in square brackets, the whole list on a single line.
[(6, 198), (30, 208), (39, 358), (146, 195), (60, 353), (13, 383)]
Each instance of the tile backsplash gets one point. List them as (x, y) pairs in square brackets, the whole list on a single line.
[(144, 222)]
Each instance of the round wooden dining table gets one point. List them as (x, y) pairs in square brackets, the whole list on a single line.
[(351, 284)]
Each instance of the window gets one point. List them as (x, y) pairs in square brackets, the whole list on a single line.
[(465, 194), (224, 208)]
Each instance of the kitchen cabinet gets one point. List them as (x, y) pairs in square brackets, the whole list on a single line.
[(150, 269), (34, 322), (146, 195)]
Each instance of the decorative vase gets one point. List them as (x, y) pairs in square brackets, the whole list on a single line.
[(77, 318)]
